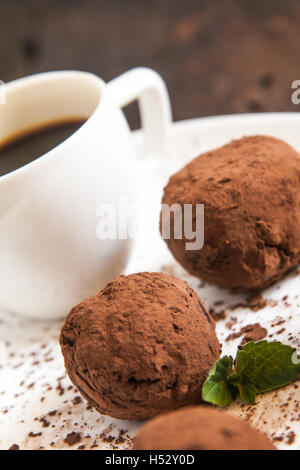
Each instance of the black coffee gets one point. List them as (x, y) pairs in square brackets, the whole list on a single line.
[(21, 150)]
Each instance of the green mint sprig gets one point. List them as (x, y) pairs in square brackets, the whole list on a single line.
[(259, 367)]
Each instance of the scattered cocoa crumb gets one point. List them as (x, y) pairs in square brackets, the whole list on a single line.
[(254, 332), (217, 315), (77, 400), (14, 447), (72, 438), (120, 440), (278, 438), (291, 438), (107, 439), (279, 322), (60, 389), (231, 323), (256, 302), (45, 422), (233, 336), (32, 434)]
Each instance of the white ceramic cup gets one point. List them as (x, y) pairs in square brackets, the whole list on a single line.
[(50, 256)]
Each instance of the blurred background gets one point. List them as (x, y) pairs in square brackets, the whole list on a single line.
[(216, 57)]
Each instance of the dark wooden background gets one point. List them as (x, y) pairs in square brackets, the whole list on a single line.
[(217, 56)]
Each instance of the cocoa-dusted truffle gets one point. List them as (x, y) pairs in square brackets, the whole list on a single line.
[(250, 189), (199, 428), (141, 346)]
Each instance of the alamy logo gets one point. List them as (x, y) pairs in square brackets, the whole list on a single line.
[(295, 97), (180, 222), (187, 223), (2, 92)]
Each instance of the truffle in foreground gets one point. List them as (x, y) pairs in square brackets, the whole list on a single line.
[(199, 428), (143, 345)]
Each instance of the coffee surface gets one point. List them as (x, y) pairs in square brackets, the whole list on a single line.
[(20, 150)]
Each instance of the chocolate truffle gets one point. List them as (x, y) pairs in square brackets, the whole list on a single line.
[(199, 428), (143, 345), (250, 189)]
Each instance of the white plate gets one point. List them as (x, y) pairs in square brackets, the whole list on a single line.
[(33, 382)]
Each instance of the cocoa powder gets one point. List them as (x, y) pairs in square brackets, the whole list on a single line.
[(199, 428), (250, 189), (143, 345)]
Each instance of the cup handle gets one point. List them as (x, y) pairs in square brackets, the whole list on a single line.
[(147, 87)]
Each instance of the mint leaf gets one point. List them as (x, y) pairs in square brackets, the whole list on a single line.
[(239, 378), (248, 393), (246, 388), (217, 389), (268, 365), (259, 367)]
